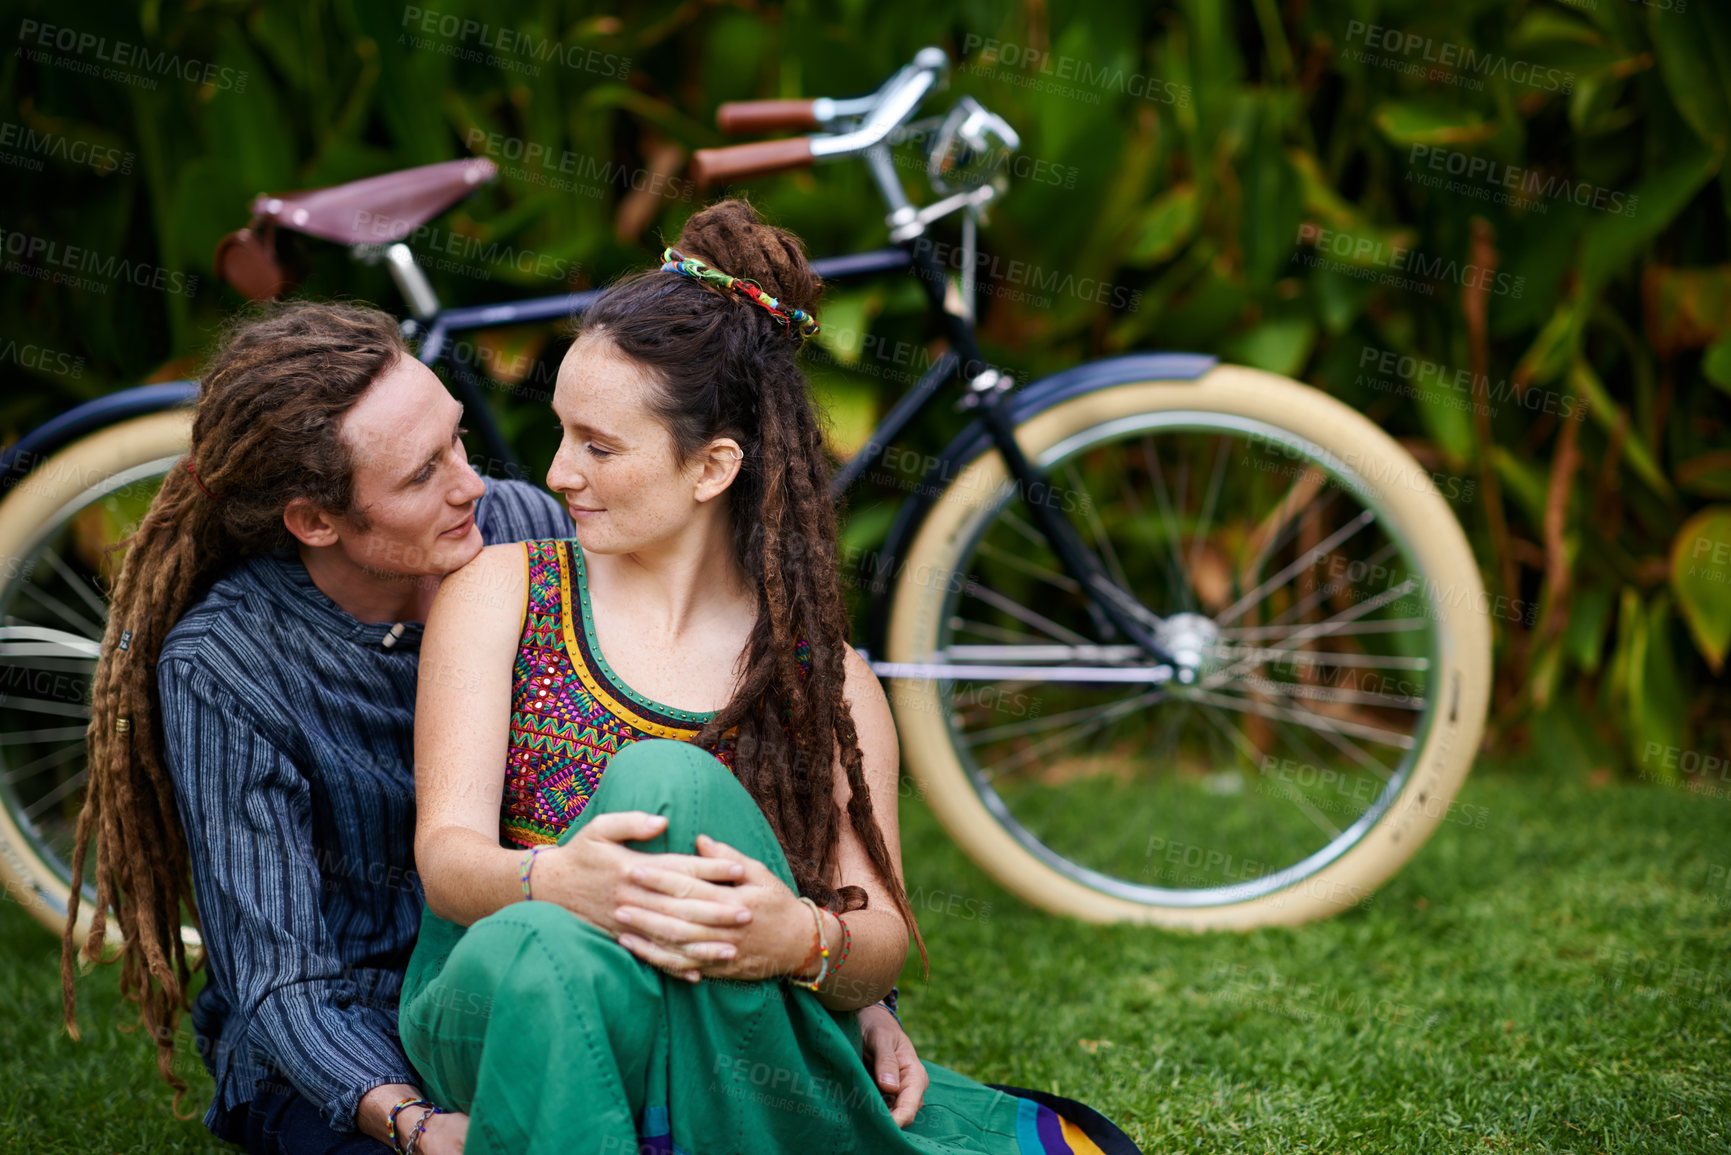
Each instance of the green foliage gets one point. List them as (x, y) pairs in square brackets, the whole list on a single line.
[(1527, 197)]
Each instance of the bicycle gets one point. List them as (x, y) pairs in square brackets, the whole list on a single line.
[(1166, 640)]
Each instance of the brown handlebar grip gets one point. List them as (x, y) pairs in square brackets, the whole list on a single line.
[(739, 117), (745, 161)]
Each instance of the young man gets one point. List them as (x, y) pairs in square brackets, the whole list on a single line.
[(271, 602)]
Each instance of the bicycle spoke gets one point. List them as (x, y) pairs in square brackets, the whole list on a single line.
[(1151, 458), (45, 706), (96, 604), (1043, 653), (1298, 496), (58, 734), (1319, 658), (1254, 757), (1102, 543), (1356, 752), (1100, 719), (66, 612), (1333, 694), (1322, 548), (1308, 718), (46, 642), (1318, 596), (1290, 631), (36, 808), (35, 766), (987, 629), (1046, 722), (1063, 581), (1027, 616), (1207, 515)]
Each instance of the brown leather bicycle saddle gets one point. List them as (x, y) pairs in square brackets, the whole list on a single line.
[(376, 210)]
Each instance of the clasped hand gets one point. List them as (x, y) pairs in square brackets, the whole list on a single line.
[(716, 914)]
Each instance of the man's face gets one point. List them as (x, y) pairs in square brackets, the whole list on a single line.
[(414, 489)]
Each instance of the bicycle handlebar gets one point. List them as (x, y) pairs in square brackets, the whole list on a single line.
[(746, 161), (738, 117), (879, 115)]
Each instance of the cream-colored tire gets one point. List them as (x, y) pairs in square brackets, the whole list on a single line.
[(46, 653), (1407, 507)]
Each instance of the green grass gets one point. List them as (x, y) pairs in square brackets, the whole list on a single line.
[(1503, 993)]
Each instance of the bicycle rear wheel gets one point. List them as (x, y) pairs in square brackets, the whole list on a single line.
[(1317, 587), (57, 524)]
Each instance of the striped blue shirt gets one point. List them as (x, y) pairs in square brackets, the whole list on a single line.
[(289, 728)]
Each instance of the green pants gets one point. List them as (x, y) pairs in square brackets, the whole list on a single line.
[(554, 1038)]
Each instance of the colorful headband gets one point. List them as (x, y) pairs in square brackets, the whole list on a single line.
[(799, 323)]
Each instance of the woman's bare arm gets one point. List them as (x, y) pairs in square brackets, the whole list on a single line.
[(462, 731), (462, 734), (879, 935)]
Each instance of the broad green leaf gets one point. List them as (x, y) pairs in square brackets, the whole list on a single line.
[(1525, 482), (1542, 674), (1687, 308), (1658, 706), (1708, 475), (1683, 42), (1167, 224), (1701, 579), (846, 318), (1589, 616), (1716, 363), (1280, 345), (1548, 26), (1415, 122), (1321, 202), (1553, 349), (1608, 414), (849, 408), (1615, 240)]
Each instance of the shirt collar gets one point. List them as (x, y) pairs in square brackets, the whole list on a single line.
[(296, 588), (296, 591)]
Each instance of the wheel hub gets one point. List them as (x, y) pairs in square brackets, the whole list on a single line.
[(1190, 639)]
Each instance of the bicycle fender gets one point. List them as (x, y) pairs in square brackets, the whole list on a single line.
[(971, 441), (40, 443)]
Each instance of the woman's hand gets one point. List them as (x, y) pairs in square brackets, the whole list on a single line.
[(889, 1054), (670, 923), (596, 876)]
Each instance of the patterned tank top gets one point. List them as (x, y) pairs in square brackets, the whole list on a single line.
[(570, 713)]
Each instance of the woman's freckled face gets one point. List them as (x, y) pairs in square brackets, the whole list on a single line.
[(616, 467)]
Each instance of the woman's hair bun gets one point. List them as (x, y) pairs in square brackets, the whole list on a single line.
[(729, 236)]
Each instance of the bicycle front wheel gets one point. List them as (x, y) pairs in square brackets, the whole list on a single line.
[(1333, 643), (57, 524)]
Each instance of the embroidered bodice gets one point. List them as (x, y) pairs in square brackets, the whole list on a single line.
[(570, 713)]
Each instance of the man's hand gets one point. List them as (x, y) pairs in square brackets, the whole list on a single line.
[(889, 1053), (444, 1135)]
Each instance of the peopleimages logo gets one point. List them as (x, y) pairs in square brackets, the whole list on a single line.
[(1364, 250), (49, 260), (1420, 51), (40, 38), (1526, 186)]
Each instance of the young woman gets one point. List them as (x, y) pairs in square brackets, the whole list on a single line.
[(696, 1004)]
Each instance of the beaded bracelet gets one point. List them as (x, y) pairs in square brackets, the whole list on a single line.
[(391, 1131), (415, 1135), (846, 943), (528, 865), (823, 949)]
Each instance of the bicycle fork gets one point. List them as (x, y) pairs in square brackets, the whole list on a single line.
[(1112, 607)]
